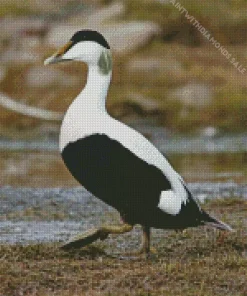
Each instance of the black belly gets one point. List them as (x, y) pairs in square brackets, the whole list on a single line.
[(117, 176)]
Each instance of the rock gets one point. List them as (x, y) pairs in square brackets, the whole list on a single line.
[(164, 1), (144, 64), (129, 36), (156, 65), (209, 132), (123, 37), (11, 26), (194, 94), (147, 105), (24, 35), (100, 16), (59, 34), (40, 76)]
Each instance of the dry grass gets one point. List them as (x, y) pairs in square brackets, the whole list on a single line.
[(199, 262)]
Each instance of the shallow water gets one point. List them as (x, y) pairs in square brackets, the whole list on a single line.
[(55, 214), (157, 135), (38, 231)]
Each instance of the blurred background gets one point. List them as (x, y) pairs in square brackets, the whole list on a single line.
[(169, 82), (185, 93)]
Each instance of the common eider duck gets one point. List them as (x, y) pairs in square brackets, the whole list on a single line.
[(116, 163)]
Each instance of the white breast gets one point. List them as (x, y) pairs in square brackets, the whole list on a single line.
[(78, 124)]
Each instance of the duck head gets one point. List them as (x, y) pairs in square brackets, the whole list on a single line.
[(87, 46)]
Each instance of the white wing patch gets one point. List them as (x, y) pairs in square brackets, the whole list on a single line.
[(170, 202)]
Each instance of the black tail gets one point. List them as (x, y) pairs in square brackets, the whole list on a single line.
[(211, 221)]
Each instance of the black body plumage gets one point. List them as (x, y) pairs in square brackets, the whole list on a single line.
[(118, 177)]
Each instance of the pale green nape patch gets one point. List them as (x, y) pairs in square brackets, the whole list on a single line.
[(105, 62)]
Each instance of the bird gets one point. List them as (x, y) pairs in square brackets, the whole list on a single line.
[(116, 163)]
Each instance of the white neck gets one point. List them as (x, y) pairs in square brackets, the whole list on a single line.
[(83, 115), (93, 96)]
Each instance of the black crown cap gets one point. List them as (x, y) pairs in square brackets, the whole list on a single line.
[(89, 35)]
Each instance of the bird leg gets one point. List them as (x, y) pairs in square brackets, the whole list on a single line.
[(116, 229), (92, 235), (145, 249)]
